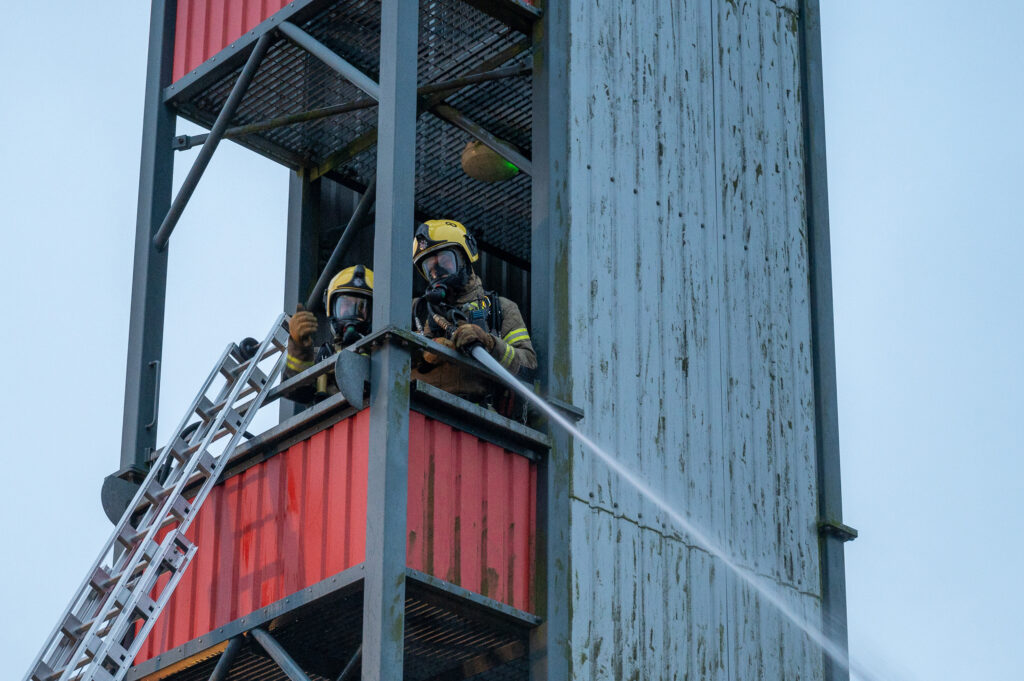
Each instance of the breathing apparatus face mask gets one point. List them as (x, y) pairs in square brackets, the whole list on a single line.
[(350, 318), (446, 275)]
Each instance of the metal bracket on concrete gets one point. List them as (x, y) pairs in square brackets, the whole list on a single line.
[(352, 376), (838, 530)]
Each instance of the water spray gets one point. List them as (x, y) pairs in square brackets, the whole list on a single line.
[(768, 591)]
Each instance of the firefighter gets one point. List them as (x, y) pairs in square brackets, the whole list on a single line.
[(348, 302), (456, 312)]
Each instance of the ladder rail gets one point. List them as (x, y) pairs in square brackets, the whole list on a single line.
[(56, 636), (107, 602), (154, 528)]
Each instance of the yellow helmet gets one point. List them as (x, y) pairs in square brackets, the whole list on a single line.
[(433, 235), (356, 279)]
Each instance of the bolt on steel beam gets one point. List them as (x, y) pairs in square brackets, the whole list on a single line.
[(210, 146)]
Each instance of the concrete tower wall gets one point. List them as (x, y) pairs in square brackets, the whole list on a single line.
[(690, 315)]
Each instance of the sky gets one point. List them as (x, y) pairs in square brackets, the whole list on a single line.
[(925, 152)]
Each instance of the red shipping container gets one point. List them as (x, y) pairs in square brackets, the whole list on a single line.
[(300, 517)]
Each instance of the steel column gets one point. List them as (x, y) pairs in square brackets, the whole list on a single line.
[(549, 643), (279, 655), (300, 251), (387, 479), (149, 279), (210, 146), (830, 507)]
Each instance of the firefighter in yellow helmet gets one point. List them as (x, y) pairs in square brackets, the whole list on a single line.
[(455, 311), (348, 302)]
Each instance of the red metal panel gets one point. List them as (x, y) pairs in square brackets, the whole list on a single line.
[(300, 517), (205, 27), (274, 529), (471, 512)]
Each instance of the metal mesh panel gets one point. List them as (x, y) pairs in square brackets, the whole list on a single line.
[(455, 39)]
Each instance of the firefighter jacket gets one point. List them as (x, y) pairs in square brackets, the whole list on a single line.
[(512, 346)]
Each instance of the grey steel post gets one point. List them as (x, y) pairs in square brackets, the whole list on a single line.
[(549, 643), (149, 279), (384, 592), (830, 506), (214, 138), (301, 247)]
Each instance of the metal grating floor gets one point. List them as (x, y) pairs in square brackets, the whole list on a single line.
[(455, 39), (446, 637)]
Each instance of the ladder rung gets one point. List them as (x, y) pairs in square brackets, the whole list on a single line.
[(100, 580)]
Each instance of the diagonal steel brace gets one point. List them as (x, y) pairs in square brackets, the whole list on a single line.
[(370, 87), (214, 138)]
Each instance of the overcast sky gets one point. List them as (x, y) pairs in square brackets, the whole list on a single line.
[(923, 114)]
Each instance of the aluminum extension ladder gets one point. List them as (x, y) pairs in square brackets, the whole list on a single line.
[(97, 637)]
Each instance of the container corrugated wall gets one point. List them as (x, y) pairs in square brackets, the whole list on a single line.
[(691, 348), (300, 517), (205, 27), (472, 512), (270, 531)]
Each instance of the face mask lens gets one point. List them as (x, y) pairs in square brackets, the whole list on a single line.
[(350, 307), (441, 264)]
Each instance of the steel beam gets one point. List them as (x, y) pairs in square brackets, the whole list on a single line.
[(279, 655), (369, 138), (503, 148), (515, 13), (328, 56), (227, 658), (149, 279), (210, 146), (387, 479), (830, 506), (549, 643), (367, 85), (186, 142)]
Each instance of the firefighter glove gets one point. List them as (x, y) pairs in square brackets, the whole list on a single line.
[(302, 327), (468, 335), (433, 358)]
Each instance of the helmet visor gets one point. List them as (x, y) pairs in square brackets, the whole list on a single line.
[(350, 307), (440, 264)]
